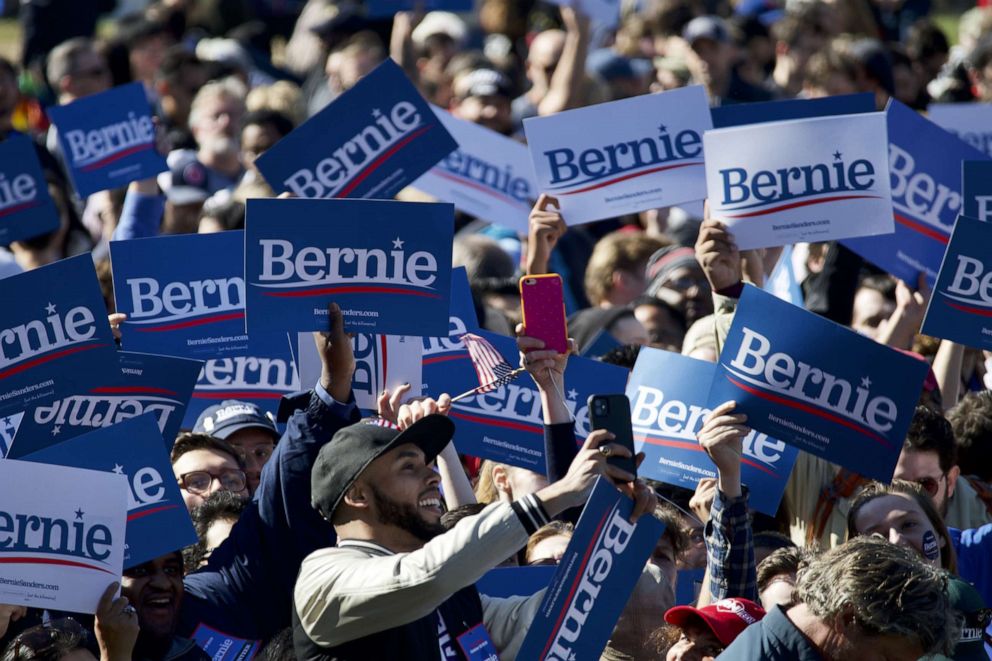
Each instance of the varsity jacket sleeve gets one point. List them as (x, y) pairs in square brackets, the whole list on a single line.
[(246, 588), (508, 620), (343, 593)]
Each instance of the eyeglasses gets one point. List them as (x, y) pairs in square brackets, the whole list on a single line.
[(930, 484), (542, 562), (38, 641), (198, 482)]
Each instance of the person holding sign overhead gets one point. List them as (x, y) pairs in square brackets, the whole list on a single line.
[(380, 593)]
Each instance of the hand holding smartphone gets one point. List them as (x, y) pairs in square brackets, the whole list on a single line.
[(612, 413), (543, 305)]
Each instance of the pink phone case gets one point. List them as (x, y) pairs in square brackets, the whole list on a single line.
[(544, 310)]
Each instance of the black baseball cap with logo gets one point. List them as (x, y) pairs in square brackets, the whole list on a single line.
[(355, 447), (233, 415)]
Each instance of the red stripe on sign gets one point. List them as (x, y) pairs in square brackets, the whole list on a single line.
[(441, 359), (810, 409), (189, 323), (349, 289), (116, 157), (379, 161), (984, 312), (635, 175), (479, 187), (688, 445), (575, 584), (921, 228), (19, 207), (154, 510), (46, 359), (51, 561), (796, 205), (534, 429), (385, 361)]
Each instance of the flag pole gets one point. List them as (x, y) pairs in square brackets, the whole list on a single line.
[(509, 377)]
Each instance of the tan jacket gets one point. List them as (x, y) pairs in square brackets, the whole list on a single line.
[(360, 588)]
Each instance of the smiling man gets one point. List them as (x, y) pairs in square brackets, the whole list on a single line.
[(155, 589), (397, 585)]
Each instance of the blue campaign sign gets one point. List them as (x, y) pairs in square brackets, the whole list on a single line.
[(462, 318), (157, 520), (774, 111), (108, 139), (506, 425), (220, 646), (925, 175), (26, 209), (688, 586), (184, 295), (818, 385), (515, 581), (976, 177), (158, 385), (262, 378), (387, 8), (54, 335), (960, 308), (370, 142), (594, 579), (387, 264), (668, 396)]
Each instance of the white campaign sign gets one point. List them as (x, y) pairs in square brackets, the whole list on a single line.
[(814, 179), (602, 13), (972, 122), (622, 157), (489, 176), (381, 362), (61, 535)]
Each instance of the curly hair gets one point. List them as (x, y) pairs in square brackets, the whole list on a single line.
[(971, 421), (886, 589)]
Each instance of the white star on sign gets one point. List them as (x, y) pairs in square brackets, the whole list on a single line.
[(118, 469), (865, 383), (398, 243), (573, 393), (56, 430), (50, 308)]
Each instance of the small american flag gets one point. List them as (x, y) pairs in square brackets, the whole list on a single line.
[(493, 371)]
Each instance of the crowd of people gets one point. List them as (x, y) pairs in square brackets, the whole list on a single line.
[(326, 536)]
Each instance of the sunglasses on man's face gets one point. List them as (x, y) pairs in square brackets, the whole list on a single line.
[(930, 484)]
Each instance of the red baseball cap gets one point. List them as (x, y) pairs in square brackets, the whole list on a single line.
[(726, 618)]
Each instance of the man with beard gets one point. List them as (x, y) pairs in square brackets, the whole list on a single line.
[(398, 586)]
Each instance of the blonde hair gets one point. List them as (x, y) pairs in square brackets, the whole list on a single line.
[(617, 251), (281, 96), (485, 489)]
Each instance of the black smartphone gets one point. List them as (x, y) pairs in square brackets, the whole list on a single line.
[(612, 413)]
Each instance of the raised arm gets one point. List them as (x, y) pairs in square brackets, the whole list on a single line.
[(729, 543), (566, 83), (246, 587)]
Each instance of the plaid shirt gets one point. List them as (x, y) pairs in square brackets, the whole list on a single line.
[(730, 549)]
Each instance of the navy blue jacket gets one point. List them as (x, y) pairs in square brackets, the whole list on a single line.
[(246, 589)]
